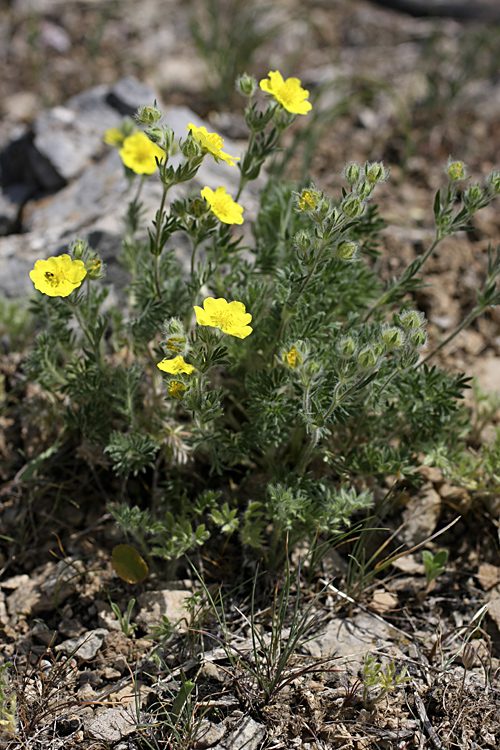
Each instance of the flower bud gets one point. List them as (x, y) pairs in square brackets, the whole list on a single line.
[(324, 209), (303, 241), (148, 115), (346, 346), (469, 655), (493, 181), (246, 85), (163, 136), (456, 170), (364, 188), (351, 173), (473, 197), (309, 200), (412, 319), (78, 248), (191, 148), (376, 172), (418, 338), (352, 206), (367, 357), (95, 268), (347, 250), (393, 337)]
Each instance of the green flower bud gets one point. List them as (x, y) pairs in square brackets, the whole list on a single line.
[(309, 200), (393, 337), (346, 346), (364, 188), (191, 148), (376, 172), (493, 181), (246, 85), (163, 136), (473, 197), (303, 241), (148, 115), (324, 209), (351, 173), (412, 319), (347, 250), (95, 267), (456, 170), (78, 248), (367, 357), (175, 341), (352, 206), (417, 339)]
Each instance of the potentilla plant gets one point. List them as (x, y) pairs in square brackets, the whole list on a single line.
[(254, 389)]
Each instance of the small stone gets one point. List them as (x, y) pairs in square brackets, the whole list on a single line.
[(247, 735), (488, 576), (86, 646)]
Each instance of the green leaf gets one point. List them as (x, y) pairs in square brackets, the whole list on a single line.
[(128, 564)]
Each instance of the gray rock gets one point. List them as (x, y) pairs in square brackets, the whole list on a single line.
[(129, 94), (91, 191), (246, 735), (86, 646), (111, 725)]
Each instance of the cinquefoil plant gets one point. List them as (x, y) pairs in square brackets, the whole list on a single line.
[(254, 389)]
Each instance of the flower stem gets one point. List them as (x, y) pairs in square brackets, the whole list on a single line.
[(388, 294)]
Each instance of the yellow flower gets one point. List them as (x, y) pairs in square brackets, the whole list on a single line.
[(139, 153), (58, 276), (176, 389), (213, 143), (114, 137), (175, 365), (223, 206), (289, 93), (293, 357), (230, 317)]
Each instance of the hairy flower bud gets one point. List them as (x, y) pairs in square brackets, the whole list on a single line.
[(456, 170), (347, 250), (351, 173), (303, 241), (411, 319), (352, 206), (493, 181), (367, 357), (246, 85), (95, 267), (163, 136), (191, 148), (148, 115), (393, 337), (472, 197), (364, 188), (346, 346), (78, 248), (376, 172), (309, 199), (418, 338)]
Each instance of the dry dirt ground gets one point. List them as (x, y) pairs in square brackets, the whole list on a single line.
[(386, 86)]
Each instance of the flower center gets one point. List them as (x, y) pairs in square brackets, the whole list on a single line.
[(55, 277), (222, 203), (288, 93), (215, 140), (223, 319)]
